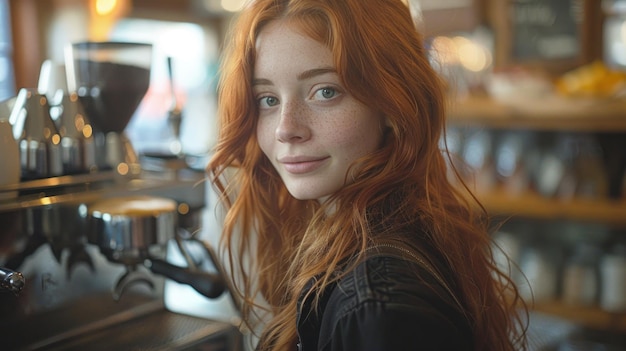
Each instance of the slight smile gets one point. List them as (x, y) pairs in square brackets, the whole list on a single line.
[(301, 165)]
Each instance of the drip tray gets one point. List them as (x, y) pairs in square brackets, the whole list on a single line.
[(160, 330)]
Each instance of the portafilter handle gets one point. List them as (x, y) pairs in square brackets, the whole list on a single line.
[(11, 281), (207, 284), (224, 281)]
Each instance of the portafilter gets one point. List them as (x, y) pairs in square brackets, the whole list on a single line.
[(130, 230)]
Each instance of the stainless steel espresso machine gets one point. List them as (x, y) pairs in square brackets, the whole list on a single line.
[(84, 234)]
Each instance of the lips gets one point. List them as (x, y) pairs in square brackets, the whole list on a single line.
[(301, 164)]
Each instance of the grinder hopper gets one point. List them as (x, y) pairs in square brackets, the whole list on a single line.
[(111, 79)]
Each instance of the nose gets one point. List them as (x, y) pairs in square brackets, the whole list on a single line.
[(293, 124)]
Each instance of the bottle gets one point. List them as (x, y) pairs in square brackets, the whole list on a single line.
[(580, 278), (613, 278), (539, 268)]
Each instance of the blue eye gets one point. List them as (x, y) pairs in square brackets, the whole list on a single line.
[(268, 101), (326, 93)]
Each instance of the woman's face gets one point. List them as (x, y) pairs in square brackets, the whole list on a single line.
[(309, 126)]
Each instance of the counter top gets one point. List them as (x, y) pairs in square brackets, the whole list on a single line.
[(184, 186)]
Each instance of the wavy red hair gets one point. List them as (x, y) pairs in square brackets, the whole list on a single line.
[(382, 61)]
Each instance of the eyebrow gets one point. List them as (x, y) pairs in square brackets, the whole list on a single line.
[(302, 76), (315, 72)]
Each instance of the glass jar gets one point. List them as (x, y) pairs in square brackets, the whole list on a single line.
[(613, 279), (580, 276)]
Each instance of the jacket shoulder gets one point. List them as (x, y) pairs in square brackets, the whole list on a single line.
[(388, 279), (386, 297)]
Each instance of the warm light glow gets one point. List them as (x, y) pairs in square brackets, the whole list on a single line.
[(183, 208), (103, 15), (56, 139), (461, 51), (122, 168), (471, 55), (445, 50), (232, 5), (87, 131), (105, 7)]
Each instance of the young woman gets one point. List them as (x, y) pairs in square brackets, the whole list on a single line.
[(336, 189)]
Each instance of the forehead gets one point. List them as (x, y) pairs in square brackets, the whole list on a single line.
[(282, 45)]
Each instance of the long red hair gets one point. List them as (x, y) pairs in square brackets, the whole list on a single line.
[(382, 61)]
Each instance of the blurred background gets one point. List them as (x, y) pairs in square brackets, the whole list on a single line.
[(536, 126)]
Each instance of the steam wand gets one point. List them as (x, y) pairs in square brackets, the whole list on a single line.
[(175, 115)]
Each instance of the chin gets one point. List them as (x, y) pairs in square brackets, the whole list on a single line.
[(310, 190), (302, 194)]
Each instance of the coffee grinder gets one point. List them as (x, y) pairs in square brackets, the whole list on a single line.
[(111, 79)]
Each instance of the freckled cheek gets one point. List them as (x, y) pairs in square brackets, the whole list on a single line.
[(348, 141), (355, 133), (344, 135)]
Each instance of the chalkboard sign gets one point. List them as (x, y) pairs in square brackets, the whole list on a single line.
[(546, 29), (553, 36)]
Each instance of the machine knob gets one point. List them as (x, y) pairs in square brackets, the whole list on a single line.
[(11, 281)]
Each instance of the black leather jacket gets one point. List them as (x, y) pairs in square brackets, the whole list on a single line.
[(389, 302)]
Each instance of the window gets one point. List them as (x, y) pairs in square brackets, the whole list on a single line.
[(194, 53), (7, 84)]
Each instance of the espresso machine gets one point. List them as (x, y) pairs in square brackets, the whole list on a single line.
[(85, 233)]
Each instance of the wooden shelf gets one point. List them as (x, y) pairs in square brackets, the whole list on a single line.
[(533, 205), (549, 113), (591, 317)]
